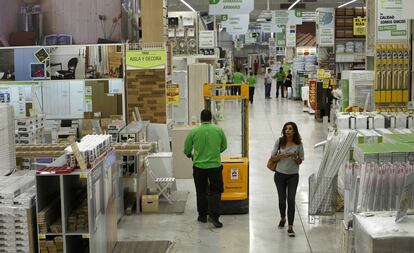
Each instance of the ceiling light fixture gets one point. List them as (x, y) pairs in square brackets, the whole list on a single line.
[(293, 5), (189, 6), (345, 4)]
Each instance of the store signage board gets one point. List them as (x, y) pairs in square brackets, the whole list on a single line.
[(206, 39), (173, 94), (250, 38), (223, 7), (326, 21), (236, 24), (405, 198), (285, 17), (291, 36), (391, 25), (145, 59), (312, 95), (268, 27), (360, 26), (280, 35), (408, 7)]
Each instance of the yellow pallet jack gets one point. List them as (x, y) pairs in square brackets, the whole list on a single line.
[(235, 198)]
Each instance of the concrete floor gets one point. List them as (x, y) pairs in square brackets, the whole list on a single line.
[(256, 231)]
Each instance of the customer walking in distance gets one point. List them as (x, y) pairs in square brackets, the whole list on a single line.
[(204, 145), (289, 154), (268, 83), (251, 80), (280, 80)]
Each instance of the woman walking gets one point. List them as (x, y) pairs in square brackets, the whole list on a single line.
[(289, 154)]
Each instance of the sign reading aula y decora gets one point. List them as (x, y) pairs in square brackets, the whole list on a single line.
[(222, 7), (145, 59)]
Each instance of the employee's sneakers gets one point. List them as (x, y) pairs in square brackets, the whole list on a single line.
[(202, 218), (215, 222), (291, 233), (282, 223)]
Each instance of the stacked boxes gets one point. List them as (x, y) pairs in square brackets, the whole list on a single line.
[(344, 24), (54, 245), (90, 147), (30, 130), (78, 219), (17, 209)]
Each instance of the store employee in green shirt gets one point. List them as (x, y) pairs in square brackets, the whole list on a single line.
[(280, 80), (238, 78), (251, 80), (204, 145)]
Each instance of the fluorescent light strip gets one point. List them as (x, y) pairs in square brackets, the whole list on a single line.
[(293, 5), (189, 6), (345, 4)]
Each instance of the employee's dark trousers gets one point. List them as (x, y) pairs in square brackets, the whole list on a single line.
[(287, 183), (268, 87), (279, 84), (251, 94), (209, 186)]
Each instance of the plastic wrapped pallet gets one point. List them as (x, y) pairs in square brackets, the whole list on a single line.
[(7, 140), (380, 234)]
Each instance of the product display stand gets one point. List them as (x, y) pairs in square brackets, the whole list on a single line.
[(77, 212)]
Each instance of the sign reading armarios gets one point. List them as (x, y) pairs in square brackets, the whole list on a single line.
[(223, 7), (145, 59)]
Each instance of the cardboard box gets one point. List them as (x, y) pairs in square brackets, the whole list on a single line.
[(149, 203)]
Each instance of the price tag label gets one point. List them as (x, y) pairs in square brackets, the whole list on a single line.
[(86, 236), (41, 236), (83, 176)]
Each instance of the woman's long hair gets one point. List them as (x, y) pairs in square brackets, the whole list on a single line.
[(296, 136)]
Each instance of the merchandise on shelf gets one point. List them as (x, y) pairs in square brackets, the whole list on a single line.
[(392, 76)]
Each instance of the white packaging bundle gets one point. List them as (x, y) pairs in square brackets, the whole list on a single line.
[(350, 47), (7, 140), (359, 47), (340, 48)]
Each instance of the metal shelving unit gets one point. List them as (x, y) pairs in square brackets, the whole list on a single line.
[(84, 228)]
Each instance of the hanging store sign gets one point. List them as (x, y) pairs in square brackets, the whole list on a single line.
[(291, 36), (236, 24), (268, 27), (360, 26), (223, 7), (250, 38), (285, 17), (312, 95), (391, 25), (207, 39), (145, 59), (280, 35), (173, 94), (326, 31)]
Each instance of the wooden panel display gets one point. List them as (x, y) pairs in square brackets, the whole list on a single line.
[(153, 20), (146, 90), (79, 18)]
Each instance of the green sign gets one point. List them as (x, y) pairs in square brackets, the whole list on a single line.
[(224, 7), (146, 59), (391, 24)]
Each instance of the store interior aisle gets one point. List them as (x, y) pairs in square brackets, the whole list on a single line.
[(256, 231)]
